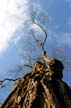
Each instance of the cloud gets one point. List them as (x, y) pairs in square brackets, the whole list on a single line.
[(59, 38), (12, 15), (66, 39)]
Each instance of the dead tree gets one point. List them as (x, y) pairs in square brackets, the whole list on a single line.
[(42, 87)]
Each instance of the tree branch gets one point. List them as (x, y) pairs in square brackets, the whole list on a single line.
[(26, 65), (7, 79), (44, 31), (42, 43)]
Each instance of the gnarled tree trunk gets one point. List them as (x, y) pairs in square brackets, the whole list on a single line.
[(40, 88)]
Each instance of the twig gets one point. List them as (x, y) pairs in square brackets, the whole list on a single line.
[(27, 65), (7, 79)]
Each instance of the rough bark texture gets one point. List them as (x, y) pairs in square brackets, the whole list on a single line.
[(42, 87)]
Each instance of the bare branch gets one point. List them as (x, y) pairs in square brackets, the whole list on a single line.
[(7, 79), (40, 42), (25, 65), (44, 31), (19, 68)]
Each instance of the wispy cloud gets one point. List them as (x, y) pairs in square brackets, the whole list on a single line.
[(12, 15), (66, 39), (60, 38)]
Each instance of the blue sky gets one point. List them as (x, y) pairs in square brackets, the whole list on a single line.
[(12, 17)]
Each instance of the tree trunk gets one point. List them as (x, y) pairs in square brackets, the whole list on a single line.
[(40, 88)]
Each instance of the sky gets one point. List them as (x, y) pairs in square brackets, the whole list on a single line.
[(13, 14)]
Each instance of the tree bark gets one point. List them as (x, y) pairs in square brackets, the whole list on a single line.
[(39, 89)]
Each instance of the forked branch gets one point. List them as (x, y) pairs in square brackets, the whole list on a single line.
[(42, 43)]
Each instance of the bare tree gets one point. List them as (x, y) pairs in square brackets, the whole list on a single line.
[(37, 20), (39, 82)]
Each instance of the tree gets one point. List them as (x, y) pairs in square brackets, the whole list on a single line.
[(42, 87), (35, 23), (39, 72)]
